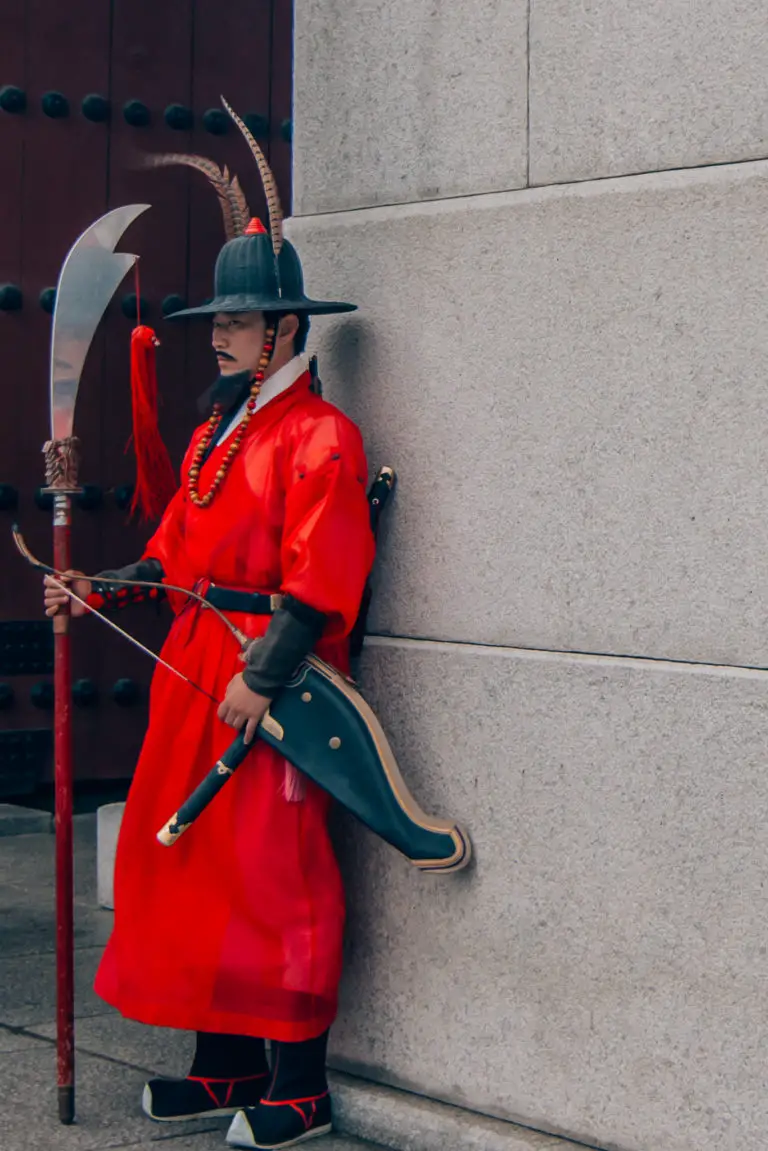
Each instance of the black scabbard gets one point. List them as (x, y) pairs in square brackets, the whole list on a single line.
[(380, 491), (320, 723), (210, 787)]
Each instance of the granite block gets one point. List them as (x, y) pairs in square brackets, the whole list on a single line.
[(410, 1123), (15, 820), (28, 987), (28, 918), (637, 87), (27, 893), (601, 971), (407, 100), (13, 1040), (108, 1108), (31, 859), (570, 384), (156, 1050)]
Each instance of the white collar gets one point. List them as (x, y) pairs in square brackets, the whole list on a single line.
[(273, 386)]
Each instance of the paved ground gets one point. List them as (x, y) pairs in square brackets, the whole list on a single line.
[(114, 1056)]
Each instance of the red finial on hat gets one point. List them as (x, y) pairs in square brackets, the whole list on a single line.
[(255, 228)]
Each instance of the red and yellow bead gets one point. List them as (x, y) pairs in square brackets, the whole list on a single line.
[(193, 475)]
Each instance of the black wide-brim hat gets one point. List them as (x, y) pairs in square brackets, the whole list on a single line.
[(256, 270), (248, 278)]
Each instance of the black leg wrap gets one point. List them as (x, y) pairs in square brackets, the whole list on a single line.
[(297, 1105), (298, 1069), (228, 1056)]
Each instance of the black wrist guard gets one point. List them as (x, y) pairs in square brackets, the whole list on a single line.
[(293, 631), (115, 595)]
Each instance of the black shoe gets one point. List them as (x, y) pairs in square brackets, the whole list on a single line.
[(271, 1126), (174, 1100)]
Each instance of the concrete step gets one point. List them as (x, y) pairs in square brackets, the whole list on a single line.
[(401, 1121), (345, 1143)]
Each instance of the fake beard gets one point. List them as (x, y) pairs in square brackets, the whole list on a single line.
[(229, 391)]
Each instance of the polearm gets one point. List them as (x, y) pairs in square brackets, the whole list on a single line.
[(89, 278)]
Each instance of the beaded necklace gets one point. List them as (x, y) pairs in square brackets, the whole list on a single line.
[(193, 476)]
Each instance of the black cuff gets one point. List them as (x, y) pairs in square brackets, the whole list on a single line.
[(293, 631), (115, 595)]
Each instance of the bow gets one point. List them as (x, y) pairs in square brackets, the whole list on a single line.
[(22, 547), (132, 639)]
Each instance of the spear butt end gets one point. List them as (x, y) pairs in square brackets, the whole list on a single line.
[(67, 1105)]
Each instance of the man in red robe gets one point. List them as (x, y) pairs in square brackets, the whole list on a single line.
[(236, 932)]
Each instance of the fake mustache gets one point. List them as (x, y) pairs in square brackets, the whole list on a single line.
[(224, 356)]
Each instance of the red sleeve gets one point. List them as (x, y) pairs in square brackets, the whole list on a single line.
[(169, 535), (327, 546), (167, 546)]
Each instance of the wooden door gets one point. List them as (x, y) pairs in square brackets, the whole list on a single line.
[(86, 88)]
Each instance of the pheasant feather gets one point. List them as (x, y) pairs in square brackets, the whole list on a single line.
[(267, 179), (240, 209), (234, 208)]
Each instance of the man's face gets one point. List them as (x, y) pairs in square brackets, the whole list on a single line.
[(238, 341)]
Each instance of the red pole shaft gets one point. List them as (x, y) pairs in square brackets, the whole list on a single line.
[(65, 955)]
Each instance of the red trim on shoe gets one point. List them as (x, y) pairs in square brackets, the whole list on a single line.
[(230, 1082), (241, 1079), (290, 1102), (307, 1120)]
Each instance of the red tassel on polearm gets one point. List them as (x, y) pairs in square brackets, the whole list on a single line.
[(155, 479)]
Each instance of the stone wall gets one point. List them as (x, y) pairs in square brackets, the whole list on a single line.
[(561, 347)]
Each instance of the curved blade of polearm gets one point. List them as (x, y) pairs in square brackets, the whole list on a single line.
[(89, 279)]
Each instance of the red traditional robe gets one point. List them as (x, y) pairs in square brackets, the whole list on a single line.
[(237, 928)]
